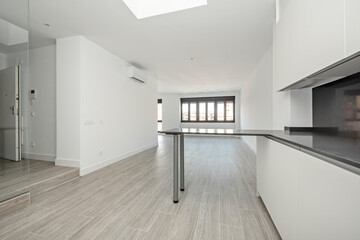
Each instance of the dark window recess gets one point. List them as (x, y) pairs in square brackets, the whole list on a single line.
[(208, 109)]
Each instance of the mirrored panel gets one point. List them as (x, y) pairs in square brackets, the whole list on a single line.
[(14, 78)]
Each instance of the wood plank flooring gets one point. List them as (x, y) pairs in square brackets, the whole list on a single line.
[(132, 199), (31, 175)]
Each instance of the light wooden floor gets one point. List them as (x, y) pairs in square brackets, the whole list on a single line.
[(132, 199), (18, 177)]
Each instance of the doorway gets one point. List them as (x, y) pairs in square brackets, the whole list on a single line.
[(10, 147)]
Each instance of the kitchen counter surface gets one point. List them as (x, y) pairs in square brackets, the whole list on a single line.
[(343, 149)]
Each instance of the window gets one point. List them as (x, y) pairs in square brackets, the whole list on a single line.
[(202, 111), (185, 111), (159, 106), (229, 111), (220, 111), (193, 111), (209, 109)]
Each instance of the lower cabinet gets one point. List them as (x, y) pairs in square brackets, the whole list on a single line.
[(328, 201), (277, 184), (307, 197)]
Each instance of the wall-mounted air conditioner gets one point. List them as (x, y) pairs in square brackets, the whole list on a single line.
[(137, 74)]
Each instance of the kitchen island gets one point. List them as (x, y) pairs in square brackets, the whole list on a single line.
[(309, 181)]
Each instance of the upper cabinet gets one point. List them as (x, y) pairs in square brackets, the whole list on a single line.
[(352, 26), (287, 43), (309, 36), (322, 38)]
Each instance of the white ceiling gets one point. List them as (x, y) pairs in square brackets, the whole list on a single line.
[(12, 34), (226, 38)]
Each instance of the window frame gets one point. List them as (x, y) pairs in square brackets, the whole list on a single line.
[(158, 102), (206, 100)]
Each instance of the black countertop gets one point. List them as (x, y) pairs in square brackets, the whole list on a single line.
[(343, 149)]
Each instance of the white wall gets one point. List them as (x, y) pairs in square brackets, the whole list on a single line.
[(292, 108), (124, 111), (257, 103), (116, 116), (264, 108), (42, 126), (301, 108), (2, 61), (68, 101), (172, 116), (281, 110), (40, 129)]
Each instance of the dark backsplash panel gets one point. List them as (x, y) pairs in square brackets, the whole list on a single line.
[(337, 104)]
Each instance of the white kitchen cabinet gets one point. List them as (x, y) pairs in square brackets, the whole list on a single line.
[(328, 201), (277, 184), (308, 37), (307, 197), (287, 44), (322, 37), (352, 26)]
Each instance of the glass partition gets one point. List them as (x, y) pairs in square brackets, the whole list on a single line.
[(14, 79)]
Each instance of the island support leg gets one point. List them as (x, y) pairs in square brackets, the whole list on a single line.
[(182, 167), (175, 167)]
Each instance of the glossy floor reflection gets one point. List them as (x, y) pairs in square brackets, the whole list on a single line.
[(132, 199), (19, 177)]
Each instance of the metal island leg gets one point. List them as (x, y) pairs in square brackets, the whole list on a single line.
[(175, 167), (182, 168)]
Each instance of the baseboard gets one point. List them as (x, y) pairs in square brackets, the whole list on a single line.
[(97, 166), (37, 156), (249, 144), (67, 162)]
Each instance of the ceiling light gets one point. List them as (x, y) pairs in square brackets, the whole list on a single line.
[(148, 8)]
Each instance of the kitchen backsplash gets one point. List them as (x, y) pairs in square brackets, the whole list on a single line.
[(337, 104)]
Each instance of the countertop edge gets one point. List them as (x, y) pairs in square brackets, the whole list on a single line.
[(270, 136), (317, 151)]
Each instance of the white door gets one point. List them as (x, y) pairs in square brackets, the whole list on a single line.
[(9, 114)]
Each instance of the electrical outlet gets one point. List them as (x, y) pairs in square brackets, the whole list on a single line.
[(32, 144)]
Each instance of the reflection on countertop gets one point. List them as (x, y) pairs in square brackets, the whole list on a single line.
[(337, 145)]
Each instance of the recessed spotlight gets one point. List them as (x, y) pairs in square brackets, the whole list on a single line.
[(46, 24)]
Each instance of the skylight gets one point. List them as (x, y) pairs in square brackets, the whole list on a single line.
[(148, 8)]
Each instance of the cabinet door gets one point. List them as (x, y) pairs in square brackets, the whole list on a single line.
[(287, 44), (352, 26), (328, 201), (322, 41), (277, 184)]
